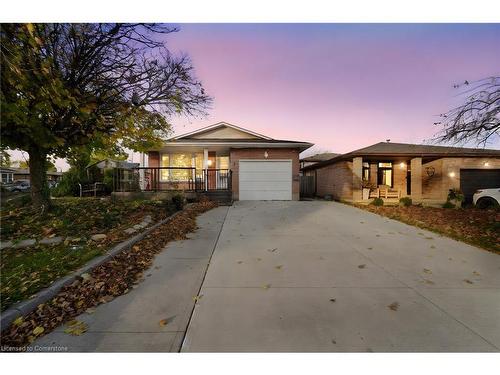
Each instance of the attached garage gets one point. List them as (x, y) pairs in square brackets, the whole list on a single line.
[(474, 179), (265, 179)]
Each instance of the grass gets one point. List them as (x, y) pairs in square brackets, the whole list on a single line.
[(26, 271), (477, 227)]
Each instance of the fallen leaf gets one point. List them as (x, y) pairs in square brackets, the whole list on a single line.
[(18, 321), (267, 286), (197, 298), (333, 299), (38, 330), (76, 328), (362, 266), (468, 281), (427, 271), (166, 321), (239, 262), (394, 306), (279, 267)]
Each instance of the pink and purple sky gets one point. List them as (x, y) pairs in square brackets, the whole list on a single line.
[(339, 86)]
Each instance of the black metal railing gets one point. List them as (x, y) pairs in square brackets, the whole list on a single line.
[(171, 178)]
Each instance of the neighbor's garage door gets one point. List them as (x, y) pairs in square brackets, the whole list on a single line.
[(265, 180), (474, 179)]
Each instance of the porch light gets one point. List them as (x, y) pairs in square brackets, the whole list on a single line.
[(402, 165), (486, 164), (266, 155), (209, 162), (451, 174)]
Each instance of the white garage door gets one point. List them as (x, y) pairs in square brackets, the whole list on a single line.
[(265, 180)]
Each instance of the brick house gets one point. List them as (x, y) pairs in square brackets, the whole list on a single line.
[(393, 170), (224, 157)]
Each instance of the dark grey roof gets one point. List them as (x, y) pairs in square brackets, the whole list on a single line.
[(320, 157), (389, 149)]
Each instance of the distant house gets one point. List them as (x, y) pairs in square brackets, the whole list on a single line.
[(24, 174), (7, 175), (393, 170), (316, 158)]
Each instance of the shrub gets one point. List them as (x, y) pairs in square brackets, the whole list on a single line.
[(377, 202), (68, 186), (178, 201), (108, 180), (448, 204), (405, 201), (455, 195)]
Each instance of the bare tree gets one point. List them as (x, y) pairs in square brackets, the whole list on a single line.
[(478, 119)]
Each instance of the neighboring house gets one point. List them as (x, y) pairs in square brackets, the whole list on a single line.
[(7, 175), (24, 174), (394, 170), (313, 159), (225, 157)]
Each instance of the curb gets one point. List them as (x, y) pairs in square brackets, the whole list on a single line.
[(27, 306)]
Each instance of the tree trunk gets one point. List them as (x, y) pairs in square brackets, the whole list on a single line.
[(40, 194)]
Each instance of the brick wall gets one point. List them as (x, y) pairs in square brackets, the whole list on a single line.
[(336, 180), (437, 186), (273, 153), (153, 159)]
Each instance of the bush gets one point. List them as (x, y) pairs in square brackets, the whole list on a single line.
[(455, 195), (68, 186), (448, 204), (178, 201), (108, 180), (377, 202), (405, 202)]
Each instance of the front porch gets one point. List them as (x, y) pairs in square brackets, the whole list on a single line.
[(386, 178), (187, 179)]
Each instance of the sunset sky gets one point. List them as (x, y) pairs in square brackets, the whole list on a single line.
[(339, 86)]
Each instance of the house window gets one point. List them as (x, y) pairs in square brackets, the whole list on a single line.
[(6, 178), (223, 162), (165, 162), (366, 171), (385, 174), (178, 161)]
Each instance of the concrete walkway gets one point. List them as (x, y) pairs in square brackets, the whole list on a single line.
[(323, 276), (131, 323)]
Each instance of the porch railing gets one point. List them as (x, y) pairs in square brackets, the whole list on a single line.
[(171, 178)]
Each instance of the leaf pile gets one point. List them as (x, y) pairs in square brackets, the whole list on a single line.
[(474, 226), (111, 279), (23, 272)]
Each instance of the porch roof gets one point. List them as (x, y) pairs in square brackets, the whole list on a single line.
[(222, 143), (404, 150)]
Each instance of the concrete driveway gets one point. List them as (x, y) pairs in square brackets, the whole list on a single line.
[(323, 276)]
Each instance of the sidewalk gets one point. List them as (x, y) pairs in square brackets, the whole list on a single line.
[(131, 323)]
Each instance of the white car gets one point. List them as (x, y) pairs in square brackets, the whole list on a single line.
[(485, 198)]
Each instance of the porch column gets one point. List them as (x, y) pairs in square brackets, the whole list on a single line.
[(416, 178), (357, 179), (205, 158), (205, 167)]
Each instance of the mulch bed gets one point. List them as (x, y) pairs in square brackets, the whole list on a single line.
[(474, 226), (111, 279)]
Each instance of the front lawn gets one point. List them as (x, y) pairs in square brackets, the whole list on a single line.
[(25, 271), (471, 225)]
